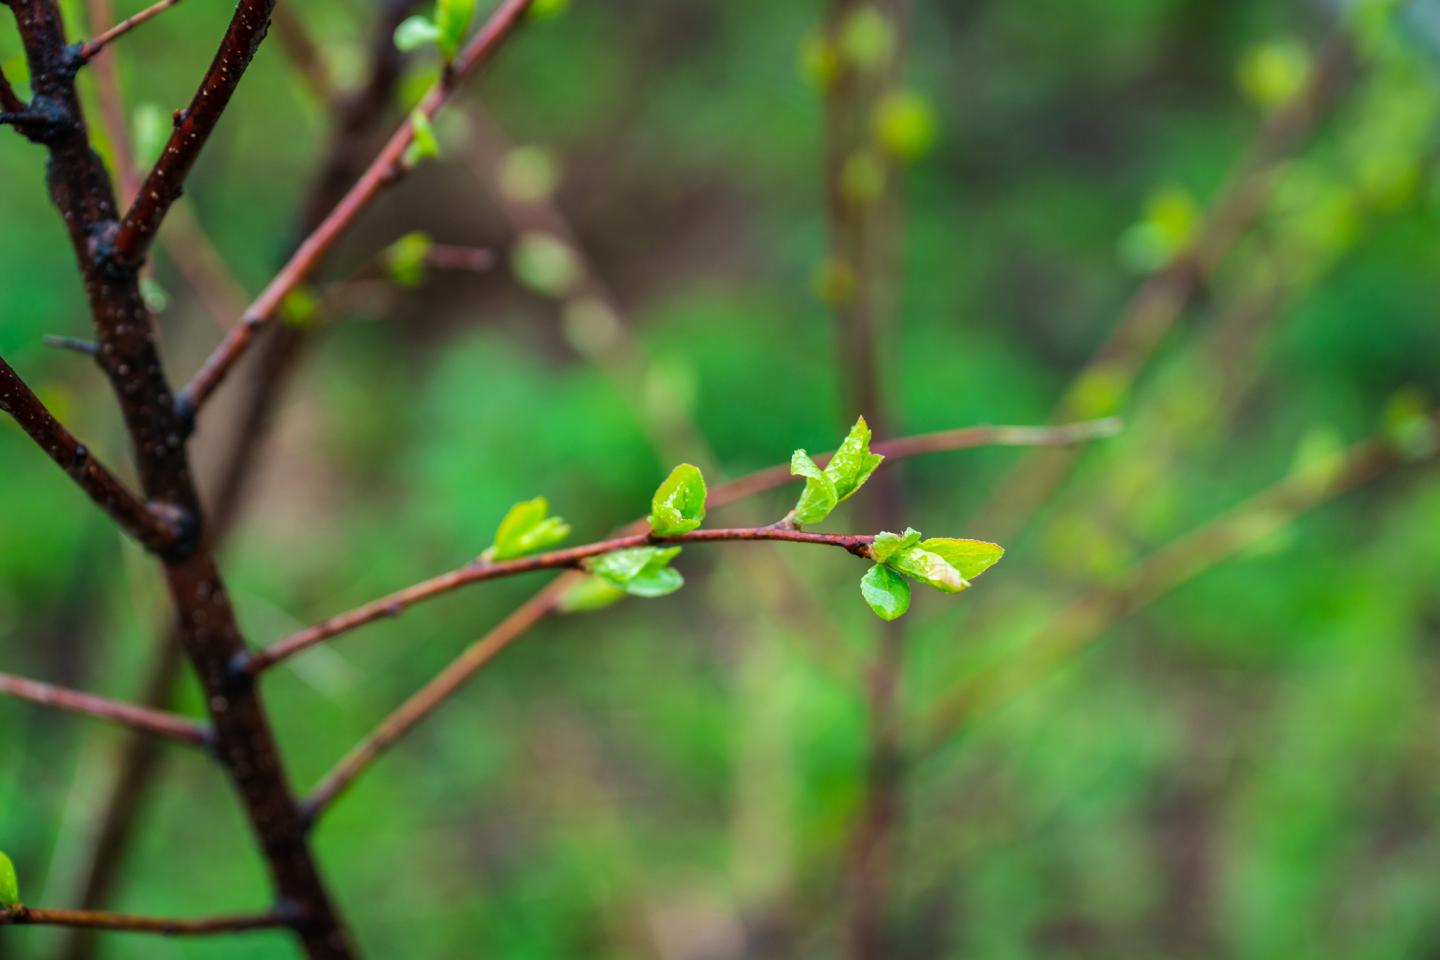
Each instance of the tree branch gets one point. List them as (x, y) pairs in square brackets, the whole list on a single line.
[(1159, 302), (193, 127), (90, 48), (205, 619), (160, 723), (156, 532), (568, 559), (386, 168), (430, 697), (35, 917)]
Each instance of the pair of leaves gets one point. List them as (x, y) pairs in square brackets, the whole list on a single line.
[(527, 528), (846, 473), (639, 571), (446, 31), (679, 503), (945, 563)]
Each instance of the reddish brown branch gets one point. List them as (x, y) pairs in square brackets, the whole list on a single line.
[(155, 531), (36, 917), (430, 697), (193, 126), (386, 168), (144, 719), (95, 45), (398, 602)]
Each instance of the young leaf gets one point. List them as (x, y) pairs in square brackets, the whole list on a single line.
[(527, 529), (424, 146), (930, 568), (819, 497), (9, 887), (679, 503), (846, 472), (589, 594), (970, 557), (853, 462), (886, 544), (886, 591), (639, 571), (416, 32), (452, 19)]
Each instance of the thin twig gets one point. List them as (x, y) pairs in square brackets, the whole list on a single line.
[(160, 723), (429, 698), (156, 532), (480, 571), (193, 126), (386, 168), (95, 45), (544, 603), (35, 917)]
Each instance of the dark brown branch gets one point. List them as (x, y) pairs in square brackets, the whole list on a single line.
[(356, 116), (193, 126), (158, 533), (387, 167), (244, 745), (478, 572), (91, 47), (544, 603), (36, 917), (144, 719)]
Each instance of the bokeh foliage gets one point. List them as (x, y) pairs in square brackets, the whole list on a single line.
[(1246, 768)]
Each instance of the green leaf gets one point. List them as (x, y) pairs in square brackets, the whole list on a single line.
[(886, 591), (589, 594), (424, 146), (819, 497), (679, 503), (639, 571), (416, 32), (853, 462), (452, 19), (527, 529), (846, 472), (9, 886), (930, 568), (970, 557), (886, 544)]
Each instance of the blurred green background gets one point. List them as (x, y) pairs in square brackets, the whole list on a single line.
[(1246, 767)]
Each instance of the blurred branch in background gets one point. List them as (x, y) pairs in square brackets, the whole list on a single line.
[(1088, 617), (1103, 383)]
